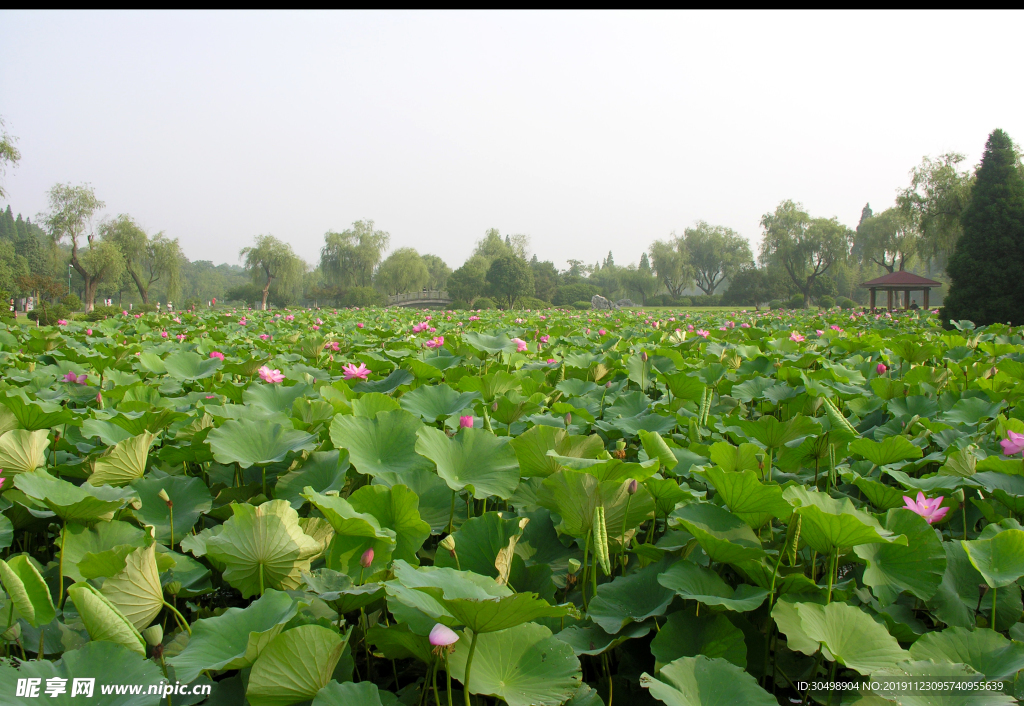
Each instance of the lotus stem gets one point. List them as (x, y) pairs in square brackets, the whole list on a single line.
[(833, 558), (42, 641), (63, 537), (261, 579), (451, 515), (448, 676), (994, 609), (170, 509), (583, 577), (181, 619), (622, 539), (469, 664)]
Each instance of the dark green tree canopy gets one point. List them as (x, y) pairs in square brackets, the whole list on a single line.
[(510, 279), (985, 269)]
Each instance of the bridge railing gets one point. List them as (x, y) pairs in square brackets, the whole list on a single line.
[(424, 295)]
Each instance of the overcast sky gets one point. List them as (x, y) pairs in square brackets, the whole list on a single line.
[(587, 131)]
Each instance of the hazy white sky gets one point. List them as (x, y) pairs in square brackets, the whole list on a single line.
[(588, 131)]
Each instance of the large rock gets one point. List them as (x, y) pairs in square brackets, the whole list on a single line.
[(624, 302), (599, 302)]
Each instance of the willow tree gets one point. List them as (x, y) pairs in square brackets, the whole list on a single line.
[(889, 239), (9, 154), (70, 218), (670, 263), (147, 260), (349, 259), (715, 253), (267, 260), (403, 271)]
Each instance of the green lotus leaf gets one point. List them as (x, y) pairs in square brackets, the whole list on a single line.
[(108, 432), (414, 605), (917, 567), (892, 449), (986, 651), (532, 447), (475, 459), (388, 385), (999, 559), (705, 681), (585, 696), (6, 532), (103, 661), (524, 666), (630, 599), (723, 535), (354, 533), (883, 497), (697, 583), (257, 443), (348, 694), (575, 495), (851, 636), (687, 634), (188, 365), (124, 463), (69, 502), (386, 443), (274, 398), (395, 508), (735, 458), (234, 639), (488, 344), (372, 402), (828, 523), (263, 547), (971, 410), (190, 497), (493, 614), (294, 666), (322, 471), (23, 451), (337, 589), (100, 550), (655, 447), (136, 591), (612, 469), (773, 434), (746, 497), (434, 495), (431, 402), (103, 620), (590, 639), (32, 414), (956, 599), (27, 590), (397, 641)]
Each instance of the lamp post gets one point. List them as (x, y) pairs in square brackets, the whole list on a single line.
[(69, 279)]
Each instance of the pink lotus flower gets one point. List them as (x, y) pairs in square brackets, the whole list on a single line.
[(521, 345), (315, 328), (880, 369), (289, 317), (545, 338), (928, 509), (367, 558), (819, 332), (332, 346), (163, 334), (441, 636), (474, 318), (835, 328), (88, 332), (551, 360), (217, 354), (269, 375), (1013, 444), (360, 324), (352, 372), (703, 333), (435, 342), (78, 379), (125, 312), (466, 421), (744, 325), (181, 337), (62, 322), (264, 336), (2, 480), (601, 332), (796, 337)]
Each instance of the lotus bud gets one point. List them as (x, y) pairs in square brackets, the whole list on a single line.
[(633, 485), (574, 565), (643, 356), (881, 369), (99, 399), (494, 407), (12, 633), (760, 461), (154, 635), (568, 419), (466, 421), (165, 497), (173, 587), (367, 558), (608, 385)]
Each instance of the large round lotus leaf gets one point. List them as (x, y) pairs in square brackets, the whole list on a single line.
[(892, 449), (524, 665), (1000, 559), (103, 620), (294, 666), (69, 502), (322, 471), (746, 497), (234, 639), (894, 568), (435, 497), (986, 651), (590, 639), (257, 443), (773, 434), (694, 582), (339, 590), (851, 636), (106, 662), (398, 641), (397, 509), (533, 445), (188, 365), (631, 598), (35, 414), (575, 496), (23, 451), (705, 681), (956, 599), (386, 443), (487, 343), (101, 547), (430, 402), (263, 540), (6, 532), (372, 402), (123, 463), (388, 385), (354, 533), (136, 590), (348, 694), (414, 605), (723, 535), (478, 542), (274, 398), (27, 590), (493, 614), (687, 634), (611, 469), (475, 459), (190, 496), (828, 523)]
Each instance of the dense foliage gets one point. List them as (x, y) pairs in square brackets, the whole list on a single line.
[(353, 507)]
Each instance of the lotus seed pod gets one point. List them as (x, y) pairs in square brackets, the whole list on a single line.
[(574, 565), (154, 635)]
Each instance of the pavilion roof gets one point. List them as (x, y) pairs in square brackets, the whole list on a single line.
[(902, 279)]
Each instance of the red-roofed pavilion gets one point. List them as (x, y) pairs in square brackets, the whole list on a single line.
[(905, 282)]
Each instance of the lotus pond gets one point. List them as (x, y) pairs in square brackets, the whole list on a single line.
[(362, 508)]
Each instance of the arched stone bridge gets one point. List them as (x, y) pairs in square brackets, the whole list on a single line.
[(426, 297)]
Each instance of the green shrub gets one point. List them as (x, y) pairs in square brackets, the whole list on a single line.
[(145, 308), (775, 304), (846, 303), (569, 294), (459, 304), (48, 315), (795, 302), (582, 306), (682, 301), (532, 303), (71, 302), (102, 312), (362, 296), (483, 303), (826, 302)]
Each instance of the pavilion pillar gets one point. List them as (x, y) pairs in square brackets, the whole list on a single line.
[(873, 290), (888, 301), (927, 291)]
